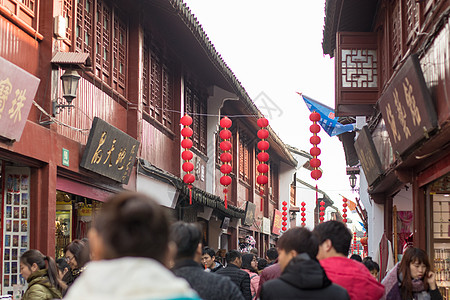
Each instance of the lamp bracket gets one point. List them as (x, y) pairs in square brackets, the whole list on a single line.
[(59, 104)]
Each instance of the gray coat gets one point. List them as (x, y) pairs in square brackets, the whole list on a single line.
[(209, 286)]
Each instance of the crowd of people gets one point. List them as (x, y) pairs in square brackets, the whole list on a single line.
[(134, 252)]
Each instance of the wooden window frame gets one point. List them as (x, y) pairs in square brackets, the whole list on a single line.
[(245, 160), (195, 100)]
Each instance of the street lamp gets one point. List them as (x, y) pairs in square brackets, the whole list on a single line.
[(352, 171), (69, 80), (352, 179)]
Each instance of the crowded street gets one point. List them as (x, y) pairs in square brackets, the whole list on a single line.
[(205, 149)]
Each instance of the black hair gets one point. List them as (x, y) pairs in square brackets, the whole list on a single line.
[(33, 256), (301, 240), (262, 263), (370, 264), (356, 257), (132, 224), (247, 262), (187, 236), (232, 255), (80, 251), (272, 253), (209, 251), (68, 277), (337, 233)]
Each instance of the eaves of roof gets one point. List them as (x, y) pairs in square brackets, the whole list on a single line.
[(197, 30), (327, 199), (198, 196)]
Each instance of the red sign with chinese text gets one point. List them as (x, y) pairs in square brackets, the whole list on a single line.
[(17, 91), (276, 227)]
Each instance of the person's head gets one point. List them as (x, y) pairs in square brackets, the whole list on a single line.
[(334, 239), (254, 251), (33, 260), (64, 270), (372, 266), (208, 257), (130, 224), (262, 263), (77, 254), (295, 241), (187, 237), (414, 266), (272, 254), (234, 257), (249, 262), (356, 257)]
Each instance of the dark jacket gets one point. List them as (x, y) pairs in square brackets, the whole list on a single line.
[(207, 285), (303, 278), (217, 267), (39, 287), (239, 277)]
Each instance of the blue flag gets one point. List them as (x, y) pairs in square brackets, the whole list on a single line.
[(328, 121)]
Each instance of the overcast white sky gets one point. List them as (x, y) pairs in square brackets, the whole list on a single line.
[(275, 47)]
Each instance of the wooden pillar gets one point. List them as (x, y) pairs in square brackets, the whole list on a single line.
[(388, 217), (419, 213)]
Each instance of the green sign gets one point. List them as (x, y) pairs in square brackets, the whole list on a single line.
[(65, 157)]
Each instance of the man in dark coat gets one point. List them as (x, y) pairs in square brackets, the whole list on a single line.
[(238, 276), (209, 286), (302, 276)]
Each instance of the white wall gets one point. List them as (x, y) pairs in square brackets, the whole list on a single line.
[(286, 176)]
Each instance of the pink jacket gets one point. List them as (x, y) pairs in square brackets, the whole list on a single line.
[(354, 277), (254, 282)]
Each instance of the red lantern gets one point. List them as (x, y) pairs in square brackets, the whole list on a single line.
[(316, 174), (283, 228), (187, 155), (314, 116), (263, 156), (284, 218), (314, 163), (226, 156), (314, 151), (314, 128), (284, 213), (303, 214), (315, 140)]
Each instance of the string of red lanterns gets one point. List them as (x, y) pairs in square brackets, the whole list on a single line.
[(225, 157), (315, 163), (186, 155), (303, 214), (354, 243), (344, 210), (284, 223), (263, 156)]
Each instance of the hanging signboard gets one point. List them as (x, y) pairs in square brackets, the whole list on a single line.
[(17, 91), (276, 227), (368, 155), (407, 108), (109, 151), (249, 213)]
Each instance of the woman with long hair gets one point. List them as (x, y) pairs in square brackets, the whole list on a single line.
[(250, 265), (412, 278), (42, 277), (77, 256)]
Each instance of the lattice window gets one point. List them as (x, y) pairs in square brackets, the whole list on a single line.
[(103, 41), (412, 19), (29, 4), (119, 54), (244, 159), (195, 102), (83, 28), (396, 33), (146, 76), (274, 182), (359, 68), (68, 15)]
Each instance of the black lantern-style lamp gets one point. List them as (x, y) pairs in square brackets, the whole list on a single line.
[(70, 80), (352, 171), (352, 179)]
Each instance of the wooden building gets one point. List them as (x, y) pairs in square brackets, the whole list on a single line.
[(392, 67)]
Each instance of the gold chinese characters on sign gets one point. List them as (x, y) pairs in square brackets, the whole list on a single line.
[(368, 155), (17, 90), (407, 108), (109, 151)]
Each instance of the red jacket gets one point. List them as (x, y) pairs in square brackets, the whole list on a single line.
[(269, 273), (354, 277)]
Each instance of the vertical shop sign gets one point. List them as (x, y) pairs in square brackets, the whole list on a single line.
[(109, 151), (65, 157), (249, 213), (276, 227), (407, 108), (17, 91), (368, 156)]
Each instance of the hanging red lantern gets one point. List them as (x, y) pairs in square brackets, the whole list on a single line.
[(262, 156), (344, 210), (284, 218), (315, 162), (303, 214), (187, 155), (226, 156)]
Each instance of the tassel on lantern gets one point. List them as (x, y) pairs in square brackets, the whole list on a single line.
[(187, 155), (263, 157), (315, 163), (226, 156)]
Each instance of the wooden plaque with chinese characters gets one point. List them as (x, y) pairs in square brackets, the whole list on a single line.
[(249, 213), (17, 91), (368, 156), (407, 108), (109, 151)]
